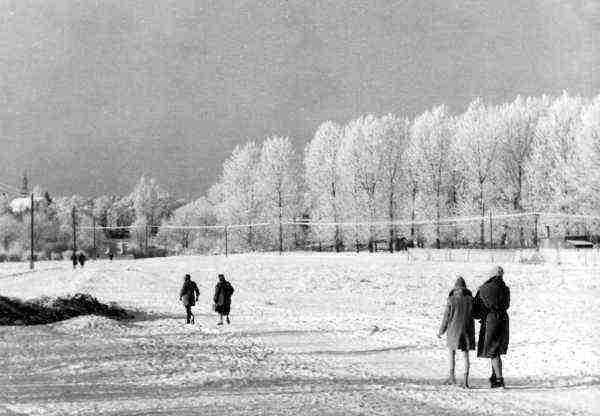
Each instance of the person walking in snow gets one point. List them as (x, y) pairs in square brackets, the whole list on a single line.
[(74, 259), (188, 295), (222, 299), (490, 305), (459, 326), (81, 258)]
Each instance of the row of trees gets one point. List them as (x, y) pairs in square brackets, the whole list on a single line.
[(531, 154)]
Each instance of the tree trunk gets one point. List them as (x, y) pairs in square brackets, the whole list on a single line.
[(438, 215), (280, 202), (412, 213), (391, 215), (338, 234), (482, 206), (371, 220)]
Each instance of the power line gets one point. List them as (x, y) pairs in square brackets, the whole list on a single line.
[(10, 188)]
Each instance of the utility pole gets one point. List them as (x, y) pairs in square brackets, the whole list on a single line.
[(74, 230), (536, 219), (31, 260), (491, 231), (94, 235)]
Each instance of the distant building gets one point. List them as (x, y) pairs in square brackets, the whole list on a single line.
[(24, 185)]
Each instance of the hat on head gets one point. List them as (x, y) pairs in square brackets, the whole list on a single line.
[(497, 271), (460, 283), (187, 276)]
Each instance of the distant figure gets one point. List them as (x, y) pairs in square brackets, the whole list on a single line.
[(109, 253), (74, 259), (188, 295), (81, 258), (490, 305), (460, 328), (222, 299)]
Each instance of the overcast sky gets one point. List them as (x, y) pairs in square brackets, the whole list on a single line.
[(95, 93)]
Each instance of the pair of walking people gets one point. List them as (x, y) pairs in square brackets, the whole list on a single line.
[(489, 305), (222, 298)]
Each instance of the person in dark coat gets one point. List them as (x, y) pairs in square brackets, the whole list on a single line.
[(81, 258), (459, 326), (188, 295), (490, 305), (74, 259), (222, 299)]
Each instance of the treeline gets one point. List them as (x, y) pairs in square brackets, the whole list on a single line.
[(531, 154), (54, 219)]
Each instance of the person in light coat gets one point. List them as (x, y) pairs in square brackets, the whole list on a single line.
[(459, 327)]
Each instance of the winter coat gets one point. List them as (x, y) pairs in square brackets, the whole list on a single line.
[(458, 320), (490, 305), (189, 293), (222, 298)]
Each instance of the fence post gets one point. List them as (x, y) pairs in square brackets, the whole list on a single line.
[(491, 231), (31, 242), (74, 230), (226, 242), (280, 236), (536, 243), (94, 236)]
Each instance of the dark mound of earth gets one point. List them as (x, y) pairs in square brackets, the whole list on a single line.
[(46, 310)]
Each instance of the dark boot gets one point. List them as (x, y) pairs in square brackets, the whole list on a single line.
[(499, 383), (493, 381), (465, 383)]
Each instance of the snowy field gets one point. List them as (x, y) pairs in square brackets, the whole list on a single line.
[(311, 334)]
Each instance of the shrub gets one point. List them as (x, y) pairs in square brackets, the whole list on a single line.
[(14, 257), (138, 253), (46, 310), (53, 247)]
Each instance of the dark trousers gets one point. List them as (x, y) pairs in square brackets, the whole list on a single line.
[(190, 315)]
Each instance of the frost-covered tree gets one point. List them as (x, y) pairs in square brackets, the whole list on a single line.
[(152, 204), (200, 212), (396, 142), (556, 157), (588, 141), (432, 134), (478, 139), (518, 122), (101, 208), (412, 171), (73, 211), (277, 183), (10, 231), (321, 177), (361, 161), (4, 203), (236, 195), (120, 214)]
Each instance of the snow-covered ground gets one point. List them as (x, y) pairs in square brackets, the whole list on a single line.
[(311, 334)]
